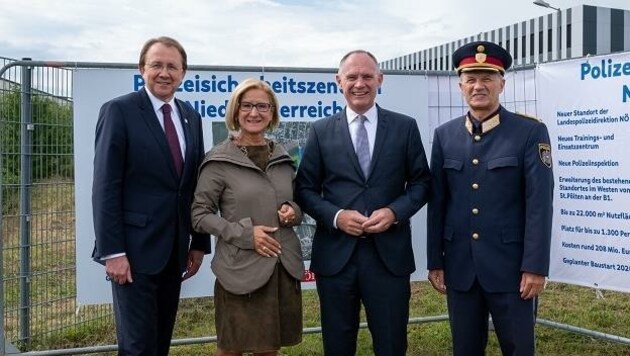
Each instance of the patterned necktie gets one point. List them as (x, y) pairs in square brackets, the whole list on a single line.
[(173, 141), (363, 146)]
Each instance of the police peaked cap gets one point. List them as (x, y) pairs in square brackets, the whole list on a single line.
[(481, 55)]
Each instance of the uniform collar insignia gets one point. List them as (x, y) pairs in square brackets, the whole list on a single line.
[(487, 125)]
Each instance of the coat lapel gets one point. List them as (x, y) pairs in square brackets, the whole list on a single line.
[(151, 120), (186, 119), (381, 133)]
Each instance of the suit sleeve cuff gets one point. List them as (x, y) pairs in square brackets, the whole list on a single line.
[(113, 255), (335, 219)]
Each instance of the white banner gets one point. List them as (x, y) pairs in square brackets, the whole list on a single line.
[(304, 98), (586, 105)]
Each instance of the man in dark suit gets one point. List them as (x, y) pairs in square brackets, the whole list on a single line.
[(363, 175), (489, 220), (148, 148)]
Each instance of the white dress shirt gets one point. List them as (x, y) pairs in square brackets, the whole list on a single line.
[(370, 125), (175, 115), (353, 125)]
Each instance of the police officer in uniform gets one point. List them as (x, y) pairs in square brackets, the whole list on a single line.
[(489, 222)]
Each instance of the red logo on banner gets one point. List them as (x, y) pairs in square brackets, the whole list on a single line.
[(308, 276)]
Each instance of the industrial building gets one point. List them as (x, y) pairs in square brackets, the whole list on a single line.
[(570, 33)]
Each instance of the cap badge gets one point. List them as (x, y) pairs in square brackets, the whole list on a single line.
[(480, 57)]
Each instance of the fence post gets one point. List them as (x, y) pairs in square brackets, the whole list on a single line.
[(26, 132), (2, 336)]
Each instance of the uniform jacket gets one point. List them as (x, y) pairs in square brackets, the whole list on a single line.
[(491, 209), (140, 206), (234, 195), (330, 178)]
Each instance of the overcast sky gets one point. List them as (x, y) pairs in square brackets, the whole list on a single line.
[(290, 33)]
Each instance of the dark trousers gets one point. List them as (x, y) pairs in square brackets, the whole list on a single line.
[(145, 311), (513, 319), (385, 298)]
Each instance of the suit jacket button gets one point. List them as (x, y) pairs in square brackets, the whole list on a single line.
[(475, 161), (475, 236), (475, 211), (477, 138), (475, 186)]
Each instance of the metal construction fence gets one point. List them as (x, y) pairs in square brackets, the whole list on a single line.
[(37, 236), (37, 194)]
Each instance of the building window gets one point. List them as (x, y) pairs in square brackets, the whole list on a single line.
[(617, 30)]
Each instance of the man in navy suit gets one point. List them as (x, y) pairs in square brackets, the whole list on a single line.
[(363, 175), (489, 220), (145, 172)]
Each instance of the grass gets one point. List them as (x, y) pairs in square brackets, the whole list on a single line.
[(573, 305), (56, 325)]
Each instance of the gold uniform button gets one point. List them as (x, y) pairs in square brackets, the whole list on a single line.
[(475, 211), (475, 161), (475, 236), (475, 186), (477, 138)]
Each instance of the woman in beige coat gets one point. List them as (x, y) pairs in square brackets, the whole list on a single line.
[(244, 198)]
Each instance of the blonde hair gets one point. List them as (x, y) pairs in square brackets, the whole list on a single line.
[(231, 116)]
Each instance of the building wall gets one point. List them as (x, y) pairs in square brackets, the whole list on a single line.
[(570, 33)]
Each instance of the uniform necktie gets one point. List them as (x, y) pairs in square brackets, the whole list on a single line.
[(363, 146), (173, 141)]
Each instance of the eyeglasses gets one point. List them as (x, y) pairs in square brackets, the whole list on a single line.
[(158, 67), (261, 107)]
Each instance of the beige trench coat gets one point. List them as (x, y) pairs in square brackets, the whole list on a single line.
[(232, 196)]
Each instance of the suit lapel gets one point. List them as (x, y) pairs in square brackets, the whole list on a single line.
[(151, 120), (186, 119), (344, 129), (381, 133)]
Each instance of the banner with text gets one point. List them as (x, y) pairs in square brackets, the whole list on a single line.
[(586, 106), (304, 98)]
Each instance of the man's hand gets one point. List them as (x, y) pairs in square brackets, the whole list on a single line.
[(351, 222), (380, 220), (436, 277), (118, 270), (195, 258), (531, 285)]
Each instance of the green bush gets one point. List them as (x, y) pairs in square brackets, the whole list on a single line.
[(52, 141)]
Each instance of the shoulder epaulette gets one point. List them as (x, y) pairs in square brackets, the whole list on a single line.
[(528, 116)]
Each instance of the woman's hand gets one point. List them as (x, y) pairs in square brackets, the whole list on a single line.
[(264, 244), (286, 215)]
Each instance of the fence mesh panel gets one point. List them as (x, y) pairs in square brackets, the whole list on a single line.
[(38, 216)]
